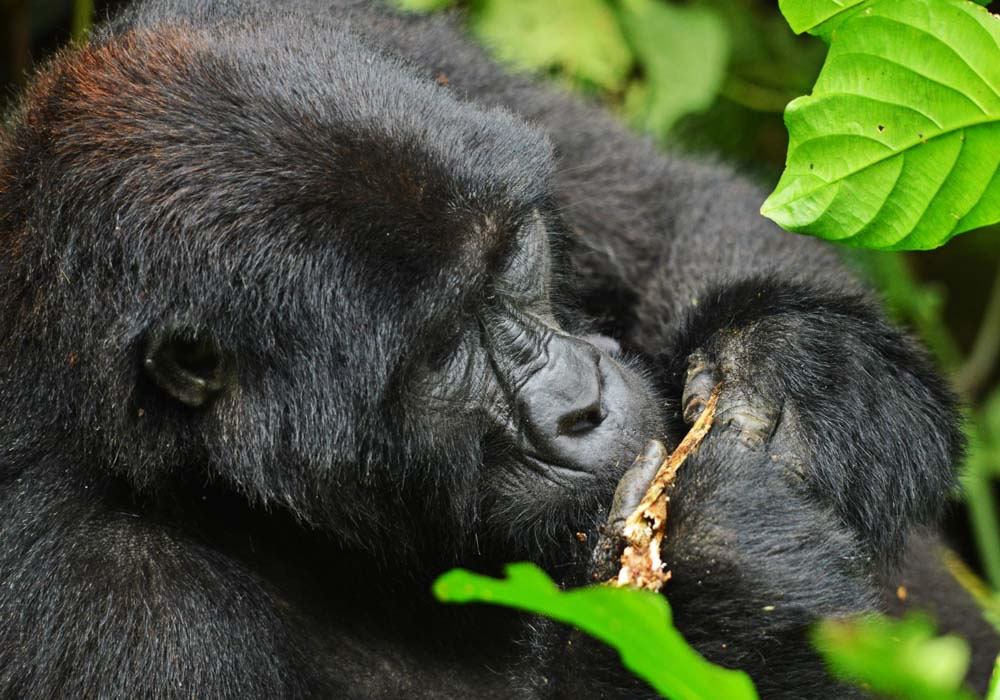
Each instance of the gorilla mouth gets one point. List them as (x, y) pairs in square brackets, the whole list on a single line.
[(561, 475)]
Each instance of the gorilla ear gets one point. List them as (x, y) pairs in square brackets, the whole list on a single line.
[(188, 366)]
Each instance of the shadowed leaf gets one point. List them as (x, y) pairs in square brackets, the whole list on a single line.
[(636, 623)]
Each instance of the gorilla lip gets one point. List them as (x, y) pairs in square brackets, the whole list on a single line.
[(549, 470)]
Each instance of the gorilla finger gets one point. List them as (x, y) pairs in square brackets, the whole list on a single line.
[(634, 483)]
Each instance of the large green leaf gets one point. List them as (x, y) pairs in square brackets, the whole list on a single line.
[(579, 37), (637, 623), (898, 147), (808, 15)]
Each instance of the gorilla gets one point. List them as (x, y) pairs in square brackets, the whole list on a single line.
[(305, 303)]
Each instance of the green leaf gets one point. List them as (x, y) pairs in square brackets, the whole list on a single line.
[(901, 658), (898, 147), (578, 37), (636, 623), (808, 15), (683, 51)]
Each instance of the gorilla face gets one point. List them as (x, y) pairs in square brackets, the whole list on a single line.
[(559, 413), (342, 302)]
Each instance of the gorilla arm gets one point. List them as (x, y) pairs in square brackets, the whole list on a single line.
[(99, 602)]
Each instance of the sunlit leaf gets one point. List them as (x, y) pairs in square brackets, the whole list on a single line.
[(636, 623), (579, 37), (898, 147), (808, 15)]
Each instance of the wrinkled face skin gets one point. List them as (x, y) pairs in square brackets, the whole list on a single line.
[(346, 304), (562, 412)]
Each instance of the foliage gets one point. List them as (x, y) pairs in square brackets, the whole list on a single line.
[(991, 432), (989, 602), (589, 45), (898, 146), (659, 61), (900, 658), (636, 623), (683, 74), (982, 463)]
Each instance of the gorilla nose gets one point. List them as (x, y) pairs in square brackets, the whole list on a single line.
[(563, 403)]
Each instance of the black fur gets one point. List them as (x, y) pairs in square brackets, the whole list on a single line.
[(300, 187)]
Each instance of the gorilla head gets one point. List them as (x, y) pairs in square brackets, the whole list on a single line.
[(316, 279)]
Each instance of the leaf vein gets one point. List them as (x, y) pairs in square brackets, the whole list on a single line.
[(844, 93), (888, 196), (986, 187), (952, 49), (916, 72), (876, 161), (859, 136), (937, 192)]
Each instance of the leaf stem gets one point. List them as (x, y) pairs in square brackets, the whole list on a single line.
[(83, 17), (970, 377), (985, 523)]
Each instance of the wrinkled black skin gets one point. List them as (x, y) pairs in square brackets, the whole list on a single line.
[(289, 326)]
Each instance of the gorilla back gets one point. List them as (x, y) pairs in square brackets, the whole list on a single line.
[(289, 326)]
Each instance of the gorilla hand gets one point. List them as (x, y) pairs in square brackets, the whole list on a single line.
[(825, 389)]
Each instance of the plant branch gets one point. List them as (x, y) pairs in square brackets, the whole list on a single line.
[(976, 370), (83, 17)]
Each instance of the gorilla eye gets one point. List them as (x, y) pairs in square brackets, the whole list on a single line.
[(190, 367), (196, 356)]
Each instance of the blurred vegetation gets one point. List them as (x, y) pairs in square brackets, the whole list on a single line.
[(709, 76)]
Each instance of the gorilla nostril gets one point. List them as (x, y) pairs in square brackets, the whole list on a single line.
[(582, 421)]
